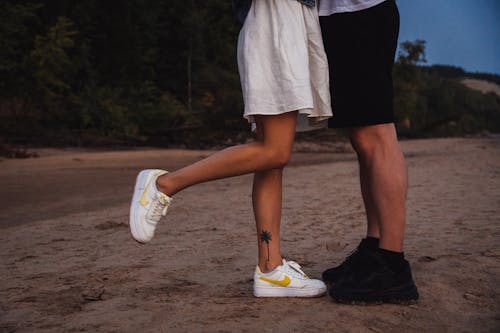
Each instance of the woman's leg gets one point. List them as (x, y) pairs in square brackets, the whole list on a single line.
[(271, 151), (274, 277), (266, 157), (267, 198)]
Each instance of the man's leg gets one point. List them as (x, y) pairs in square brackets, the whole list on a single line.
[(379, 274), (383, 179), (384, 183)]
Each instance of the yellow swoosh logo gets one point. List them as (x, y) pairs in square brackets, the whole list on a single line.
[(143, 200), (285, 282)]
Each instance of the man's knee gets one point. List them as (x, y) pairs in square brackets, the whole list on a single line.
[(368, 140)]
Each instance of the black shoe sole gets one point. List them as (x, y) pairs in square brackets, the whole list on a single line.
[(404, 296), (378, 302)]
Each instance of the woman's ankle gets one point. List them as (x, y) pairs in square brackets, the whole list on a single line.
[(162, 184), (267, 266)]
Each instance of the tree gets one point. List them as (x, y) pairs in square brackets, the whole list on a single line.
[(406, 79), (17, 25), (52, 64), (412, 53)]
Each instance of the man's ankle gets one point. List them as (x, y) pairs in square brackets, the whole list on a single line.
[(394, 259), (370, 243)]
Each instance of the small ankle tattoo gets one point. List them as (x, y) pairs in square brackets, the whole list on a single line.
[(265, 236)]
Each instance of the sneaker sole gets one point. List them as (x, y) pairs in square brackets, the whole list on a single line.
[(376, 302), (288, 292), (406, 295), (140, 183)]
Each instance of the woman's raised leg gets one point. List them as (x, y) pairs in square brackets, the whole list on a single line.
[(272, 152), (154, 187)]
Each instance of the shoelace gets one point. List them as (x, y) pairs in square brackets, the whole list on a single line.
[(159, 207), (293, 268)]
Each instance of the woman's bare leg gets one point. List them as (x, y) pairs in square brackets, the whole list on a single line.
[(266, 198), (266, 157), (272, 152)]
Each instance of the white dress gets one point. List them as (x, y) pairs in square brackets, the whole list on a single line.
[(282, 63), (329, 7)]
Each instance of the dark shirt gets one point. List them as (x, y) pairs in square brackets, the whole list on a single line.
[(242, 7)]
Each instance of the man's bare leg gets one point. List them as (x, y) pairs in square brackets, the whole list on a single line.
[(384, 183)]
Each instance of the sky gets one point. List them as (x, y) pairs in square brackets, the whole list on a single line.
[(464, 33)]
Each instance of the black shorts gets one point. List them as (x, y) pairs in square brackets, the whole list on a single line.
[(361, 47)]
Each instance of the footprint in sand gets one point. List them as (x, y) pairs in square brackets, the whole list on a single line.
[(110, 225)]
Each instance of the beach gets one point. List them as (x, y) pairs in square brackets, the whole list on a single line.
[(69, 263)]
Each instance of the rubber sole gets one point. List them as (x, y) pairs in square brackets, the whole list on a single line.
[(389, 301), (406, 295), (288, 292)]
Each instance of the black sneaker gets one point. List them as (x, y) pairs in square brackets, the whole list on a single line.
[(376, 282), (357, 256)]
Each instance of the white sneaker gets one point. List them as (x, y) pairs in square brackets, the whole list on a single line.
[(286, 280), (148, 205)]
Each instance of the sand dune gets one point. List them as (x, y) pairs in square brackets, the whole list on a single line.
[(69, 263), (482, 85)]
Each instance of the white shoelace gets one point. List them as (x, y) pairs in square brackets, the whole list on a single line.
[(159, 207), (292, 268)]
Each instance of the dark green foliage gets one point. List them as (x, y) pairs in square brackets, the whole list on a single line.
[(164, 72), (452, 72), (155, 72), (52, 66), (412, 53), (432, 101), (18, 23)]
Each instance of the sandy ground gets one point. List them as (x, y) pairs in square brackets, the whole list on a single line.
[(69, 264), (482, 85)]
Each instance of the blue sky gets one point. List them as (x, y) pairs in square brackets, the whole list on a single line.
[(464, 33)]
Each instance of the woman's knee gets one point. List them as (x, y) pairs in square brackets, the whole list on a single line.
[(277, 158), (276, 133)]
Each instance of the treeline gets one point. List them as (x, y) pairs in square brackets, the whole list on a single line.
[(431, 100), (127, 71), (453, 72), (164, 72)]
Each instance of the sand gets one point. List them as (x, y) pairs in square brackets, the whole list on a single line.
[(482, 85), (69, 264)]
